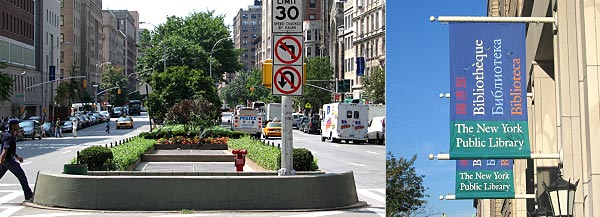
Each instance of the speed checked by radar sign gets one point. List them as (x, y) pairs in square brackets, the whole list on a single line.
[(287, 80), (287, 16)]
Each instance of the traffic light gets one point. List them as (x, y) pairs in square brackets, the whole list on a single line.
[(267, 74), (84, 83), (119, 91), (343, 86)]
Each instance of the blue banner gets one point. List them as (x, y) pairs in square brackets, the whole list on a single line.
[(488, 105), (360, 66)]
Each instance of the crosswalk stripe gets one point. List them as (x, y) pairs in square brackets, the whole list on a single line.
[(317, 214), (369, 194), (55, 215), (186, 215), (10, 210), (11, 196), (380, 212)]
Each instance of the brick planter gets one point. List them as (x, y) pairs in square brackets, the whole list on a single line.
[(190, 146)]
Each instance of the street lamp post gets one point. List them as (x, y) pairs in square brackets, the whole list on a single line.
[(23, 82), (211, 52)]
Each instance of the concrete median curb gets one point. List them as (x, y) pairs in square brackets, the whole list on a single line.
[(161, 192)]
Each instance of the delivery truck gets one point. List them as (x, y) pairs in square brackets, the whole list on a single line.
[(345, 121)]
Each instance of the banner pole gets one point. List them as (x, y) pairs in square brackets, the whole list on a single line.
[(533, 156), (517, 196)]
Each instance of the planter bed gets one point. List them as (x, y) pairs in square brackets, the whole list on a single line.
[(159, 146)]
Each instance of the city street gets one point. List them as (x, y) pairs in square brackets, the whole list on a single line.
[(49, 154)]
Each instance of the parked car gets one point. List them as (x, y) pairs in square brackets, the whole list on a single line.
[(31, 129), (101, 118), (66, 127), (36, 118), (312, 125), (80, 122), (272, 129), (105, 114), (123, 122), (376, 132)]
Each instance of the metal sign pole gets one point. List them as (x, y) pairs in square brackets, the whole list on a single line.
[(287, 135)]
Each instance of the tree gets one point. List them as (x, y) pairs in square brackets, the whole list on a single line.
[(113, 77), (6, 83), (188, 42), (404, 188), (69, 92), (317, 68), (374, 85), (193, 114), (177, 84)]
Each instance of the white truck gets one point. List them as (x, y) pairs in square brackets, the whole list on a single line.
[(376, 110), (345, 121), (273, 112), (248, 120)]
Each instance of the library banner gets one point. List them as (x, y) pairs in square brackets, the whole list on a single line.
[(488, 84), (484, 179)]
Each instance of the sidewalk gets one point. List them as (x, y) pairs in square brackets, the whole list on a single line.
[(190, 166)]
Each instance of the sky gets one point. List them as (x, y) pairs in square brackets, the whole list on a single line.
[(156, 12), (417, 72)]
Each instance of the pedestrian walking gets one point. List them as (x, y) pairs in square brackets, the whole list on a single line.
[(75, 122), (9, 158), (57, 132), (108, 127)]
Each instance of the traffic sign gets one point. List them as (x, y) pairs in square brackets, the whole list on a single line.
[(288, 49), (287, 16), (308, 105), (287, 80)]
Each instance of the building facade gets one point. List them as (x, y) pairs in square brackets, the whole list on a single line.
[(312, 28), (247, 25), (369, 38), (113, 41), (17, 51), (564, 104), (47, 49)]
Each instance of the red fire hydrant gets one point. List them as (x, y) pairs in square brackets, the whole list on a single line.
[(240, 159)]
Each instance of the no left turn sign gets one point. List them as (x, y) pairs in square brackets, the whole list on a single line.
[(288, 49), (287, 80)]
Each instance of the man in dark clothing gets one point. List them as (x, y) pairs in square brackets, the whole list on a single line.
[(9, 158)]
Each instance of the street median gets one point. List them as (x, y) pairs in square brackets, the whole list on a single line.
[(141, 191)]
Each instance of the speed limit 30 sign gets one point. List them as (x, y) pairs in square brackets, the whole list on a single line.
[(287, 16)]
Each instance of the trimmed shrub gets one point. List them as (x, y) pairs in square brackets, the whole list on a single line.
[(303, 160), (97, 158), (127, 154)]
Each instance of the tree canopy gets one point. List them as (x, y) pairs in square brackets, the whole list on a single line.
[(188, 42), (317, 68), (177, 84), (6, 83), (374, 85), (404, 187), (112, 77)]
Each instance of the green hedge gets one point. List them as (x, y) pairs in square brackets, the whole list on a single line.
[(122, 156), (269, 157), (129, 152), (97, 158), (177, 130)]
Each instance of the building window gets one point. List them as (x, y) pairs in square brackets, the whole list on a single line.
[(253, 16), (308, 35), (308, 52), (62, 20), (245, 16), (312, 17), (62, 37), (317, 34), (312, 4), (62, 56)]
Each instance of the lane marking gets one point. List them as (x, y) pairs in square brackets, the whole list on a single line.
[(380, 191), (26, 162), (67, 151), (371, 152), (337, 146), (360, 165), (317, 214), (369, 194), (10, 210)]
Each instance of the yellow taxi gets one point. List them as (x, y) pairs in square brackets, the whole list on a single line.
[(272, 129), (125, 122)]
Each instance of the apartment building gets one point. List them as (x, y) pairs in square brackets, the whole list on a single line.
[(247, 27)]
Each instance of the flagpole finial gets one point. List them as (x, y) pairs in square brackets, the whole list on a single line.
[(432, 19)]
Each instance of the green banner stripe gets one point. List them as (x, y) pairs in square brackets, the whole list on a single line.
[(489, 139), (484, 184)]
